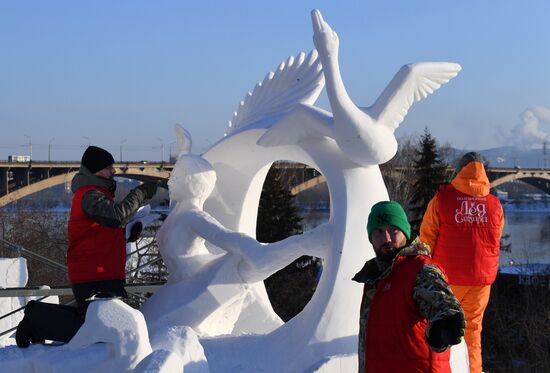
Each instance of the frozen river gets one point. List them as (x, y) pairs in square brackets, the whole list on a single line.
[(529, 235)]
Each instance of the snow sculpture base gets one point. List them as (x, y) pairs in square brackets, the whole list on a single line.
[(123, 338)]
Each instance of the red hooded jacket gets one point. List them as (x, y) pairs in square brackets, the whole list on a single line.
[(463, 224)]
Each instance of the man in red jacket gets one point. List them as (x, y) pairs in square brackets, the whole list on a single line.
[(409, 317), (462, 225), (96, 257)]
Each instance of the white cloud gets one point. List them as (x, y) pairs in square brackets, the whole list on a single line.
[(527, 134)]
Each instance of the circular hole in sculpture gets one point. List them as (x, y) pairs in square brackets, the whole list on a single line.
[(294, 199)]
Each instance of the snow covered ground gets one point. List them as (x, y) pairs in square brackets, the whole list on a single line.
[(115, 338)]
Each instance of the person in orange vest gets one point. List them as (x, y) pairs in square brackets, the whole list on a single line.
[(462, 225), (409, 316)]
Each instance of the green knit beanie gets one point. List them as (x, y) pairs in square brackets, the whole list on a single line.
[(388, 213)]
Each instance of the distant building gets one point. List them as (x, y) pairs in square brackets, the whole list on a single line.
[(19, 158)]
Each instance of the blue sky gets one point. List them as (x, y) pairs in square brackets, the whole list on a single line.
[(123, 72)]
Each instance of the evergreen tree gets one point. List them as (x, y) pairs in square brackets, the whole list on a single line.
[(291, 288), (278, 216), (430, 174)]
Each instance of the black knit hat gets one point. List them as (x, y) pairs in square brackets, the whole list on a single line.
[(468, 158), (96, 159)]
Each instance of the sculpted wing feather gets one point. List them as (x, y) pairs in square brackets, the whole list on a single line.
[(296, 81), (184, 139), (303, 122), (412, 83)]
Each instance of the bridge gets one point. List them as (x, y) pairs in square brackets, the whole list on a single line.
[(20, 179), (537, 177)]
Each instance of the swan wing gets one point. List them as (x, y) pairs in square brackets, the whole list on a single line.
[(412, 83), (297, 80), (304, 122)]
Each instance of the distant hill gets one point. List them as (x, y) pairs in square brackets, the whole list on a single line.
[(509, 156)]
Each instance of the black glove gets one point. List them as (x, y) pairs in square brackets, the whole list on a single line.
[(149, 189), (446, 332), (135, 232)]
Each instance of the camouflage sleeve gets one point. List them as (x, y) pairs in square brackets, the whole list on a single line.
[(103, 211), (433, 296)]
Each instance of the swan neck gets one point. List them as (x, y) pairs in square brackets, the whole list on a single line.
[(336, 90)]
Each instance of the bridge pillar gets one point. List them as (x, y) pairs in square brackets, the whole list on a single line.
[(41, 174), (21, 177), (3, 181)]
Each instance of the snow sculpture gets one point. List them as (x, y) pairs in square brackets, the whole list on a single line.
[(177, 350), (13, 273), (210, 290), (278, 122), (120, 329)]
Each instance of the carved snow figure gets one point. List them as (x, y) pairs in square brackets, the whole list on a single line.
[(278, 122), (209, 290)]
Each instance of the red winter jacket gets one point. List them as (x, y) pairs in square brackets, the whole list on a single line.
[(395, 340), (463, 224), (97, 247), (96, 252)]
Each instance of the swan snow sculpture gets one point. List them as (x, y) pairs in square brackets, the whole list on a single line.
[(208, 290), (278, 122), (365, 135)]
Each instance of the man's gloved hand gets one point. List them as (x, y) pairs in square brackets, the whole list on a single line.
[(135, 232), (446, 332), (149, 188)]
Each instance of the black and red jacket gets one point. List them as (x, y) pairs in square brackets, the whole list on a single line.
[(97, 247)]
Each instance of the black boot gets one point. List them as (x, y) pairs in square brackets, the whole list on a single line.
[(23, 335), (43, 321)]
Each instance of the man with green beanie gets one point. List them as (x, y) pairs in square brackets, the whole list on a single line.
[(409, 317)]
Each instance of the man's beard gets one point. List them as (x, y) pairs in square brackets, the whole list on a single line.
[(386, 256)]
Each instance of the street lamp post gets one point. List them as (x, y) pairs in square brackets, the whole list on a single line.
[(170, 151), (50, 148), (161, 149), (120, 155), (30, 146)]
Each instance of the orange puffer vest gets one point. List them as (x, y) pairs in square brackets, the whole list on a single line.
[(96, 252), (395, 330), (468, 245)]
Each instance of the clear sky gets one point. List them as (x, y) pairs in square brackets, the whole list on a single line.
[(119, 74)]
